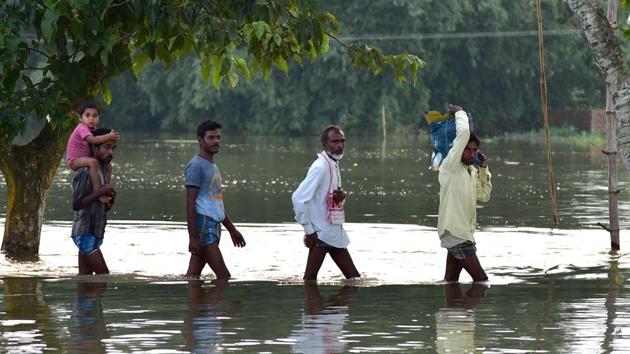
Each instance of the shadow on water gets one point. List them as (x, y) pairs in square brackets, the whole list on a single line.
[(556, 313)]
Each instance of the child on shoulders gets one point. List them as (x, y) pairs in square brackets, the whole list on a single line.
[(78, 151)]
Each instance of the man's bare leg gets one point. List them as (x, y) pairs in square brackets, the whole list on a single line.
[(214, 258), (84, 268), (344, 261), (314, 300), (314, 262), (473, 267), (453, 268), (96, 263), (195, 266)]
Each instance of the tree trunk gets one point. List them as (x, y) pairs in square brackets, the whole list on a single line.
[(609, 58), (29, 171)]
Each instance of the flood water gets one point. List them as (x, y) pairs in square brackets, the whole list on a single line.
[(553, 290)]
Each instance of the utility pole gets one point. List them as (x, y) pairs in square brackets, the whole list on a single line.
[(611, 151)]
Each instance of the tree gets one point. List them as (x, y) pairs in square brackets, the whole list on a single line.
[(609, 58), (495, 77), (55, 54)]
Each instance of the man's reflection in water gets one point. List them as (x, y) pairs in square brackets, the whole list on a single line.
[(202, 324), (322, 321), (87, 326), (455, 323)]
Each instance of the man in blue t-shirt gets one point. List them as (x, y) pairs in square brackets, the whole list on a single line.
[(204, 206)]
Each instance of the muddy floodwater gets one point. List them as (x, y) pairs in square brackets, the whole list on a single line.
[(551, 290)]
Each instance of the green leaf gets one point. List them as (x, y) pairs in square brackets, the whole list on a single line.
[(205, 69), (277, 39), (139, 62), (104, 58), (325, 44), (312, 50), (217, 61), (242, 65), (259, 29), (49, 23), (281, 63), (232, 78), (107, 94)]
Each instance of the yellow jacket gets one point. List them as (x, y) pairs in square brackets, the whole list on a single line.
[(461, 186)]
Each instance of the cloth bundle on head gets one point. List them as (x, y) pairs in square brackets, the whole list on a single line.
[(435, 116)]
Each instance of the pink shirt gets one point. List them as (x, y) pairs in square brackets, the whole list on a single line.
[(77, 145)]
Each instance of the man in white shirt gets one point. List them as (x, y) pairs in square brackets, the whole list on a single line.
[(461, 186), (318, 205)]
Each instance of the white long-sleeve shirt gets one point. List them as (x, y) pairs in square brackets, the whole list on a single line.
[(309, 202)]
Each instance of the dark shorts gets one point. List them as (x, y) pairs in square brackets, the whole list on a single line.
[(322, 244), (208, 230), (87, 243), (463, 250)]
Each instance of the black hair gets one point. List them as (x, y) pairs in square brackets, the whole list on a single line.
[(207, 125), (324, 136), (474, 138), (87, 104), (99, 132)]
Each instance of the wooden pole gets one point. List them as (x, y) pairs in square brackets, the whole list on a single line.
[(611, 150), (613, 189), (543, 99), (384, 123)]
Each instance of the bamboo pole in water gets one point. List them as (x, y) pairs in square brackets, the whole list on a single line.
[(611, 151), (543, 98), (384, 123), (611, 146), (613, 189)]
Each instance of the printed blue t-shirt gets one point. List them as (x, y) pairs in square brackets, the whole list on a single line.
[(205, 175)]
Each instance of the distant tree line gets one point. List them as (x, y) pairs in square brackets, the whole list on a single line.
[(494, 77)]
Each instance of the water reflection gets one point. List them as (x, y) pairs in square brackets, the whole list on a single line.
[(615, 282), (87, 326), (28, 324), (323, 320), (202, 325), (575, 312), (455, 323)]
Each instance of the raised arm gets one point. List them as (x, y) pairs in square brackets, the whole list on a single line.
[(454, 157), (97, 140)]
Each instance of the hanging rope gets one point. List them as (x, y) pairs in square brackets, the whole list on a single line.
[(543, 98)]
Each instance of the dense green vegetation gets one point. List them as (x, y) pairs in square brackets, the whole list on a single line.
[(494, 77), (56, 54)]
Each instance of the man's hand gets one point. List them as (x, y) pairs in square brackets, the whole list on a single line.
[(112, 199), (339, 195), (483, 158), (194, 246), (452, 109), (113, 135), (105, 194), (237, 238), (310, 240)]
